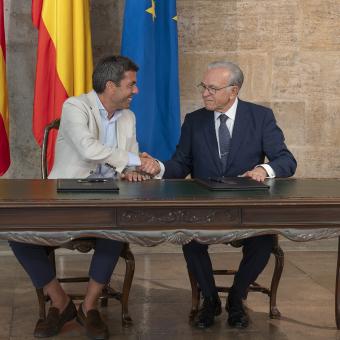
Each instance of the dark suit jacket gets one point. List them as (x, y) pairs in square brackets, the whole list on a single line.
[(255, 136)]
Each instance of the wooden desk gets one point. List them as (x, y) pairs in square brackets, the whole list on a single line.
[(174, 211)]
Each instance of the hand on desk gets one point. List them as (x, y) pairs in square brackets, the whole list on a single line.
[(149, 165), (134, 176), (258, 174)]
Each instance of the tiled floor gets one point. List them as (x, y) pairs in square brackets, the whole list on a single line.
[(160, 296)]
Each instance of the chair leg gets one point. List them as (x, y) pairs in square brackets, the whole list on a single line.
[(41, 301), (104, 297), (195, 297), (274, 313), (129, 272), (51, 257)]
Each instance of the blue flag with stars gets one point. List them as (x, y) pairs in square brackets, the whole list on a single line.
[(150, 40)]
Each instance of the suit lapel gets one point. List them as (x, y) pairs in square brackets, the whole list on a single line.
[(95, 112), (240, 130), (211, 139)]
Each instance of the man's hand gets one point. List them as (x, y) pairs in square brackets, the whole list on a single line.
[(134, 176), (259, 174), (148, 164)]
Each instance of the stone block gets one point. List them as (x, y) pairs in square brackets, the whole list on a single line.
[(320, 162), (207, 26), (267, 25), (18, 23), (257, 75), (321, 25), (25, 152), (106, 25), (286, 76), (323, 123), (320, 75), (290, 117)]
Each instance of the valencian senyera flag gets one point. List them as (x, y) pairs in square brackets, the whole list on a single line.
[(4, 114), (64, 60), (150, 40)]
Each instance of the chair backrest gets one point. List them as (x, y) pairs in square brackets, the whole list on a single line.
[(53, 125)]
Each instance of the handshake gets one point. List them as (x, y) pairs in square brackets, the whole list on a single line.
[(149, 168)]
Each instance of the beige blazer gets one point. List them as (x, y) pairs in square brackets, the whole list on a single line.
[(78, 148)]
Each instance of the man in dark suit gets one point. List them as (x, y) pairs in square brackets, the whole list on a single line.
[(229, 137)]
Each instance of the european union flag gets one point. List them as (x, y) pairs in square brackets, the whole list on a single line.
[(150, 40)]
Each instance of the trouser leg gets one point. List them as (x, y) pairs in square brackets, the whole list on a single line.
[(199, 264), (34, 259), (104, 259), (256, 253)]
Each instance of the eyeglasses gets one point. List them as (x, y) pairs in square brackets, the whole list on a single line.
[(211, 89)]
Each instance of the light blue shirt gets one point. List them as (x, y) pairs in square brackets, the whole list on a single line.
[(109, 138)]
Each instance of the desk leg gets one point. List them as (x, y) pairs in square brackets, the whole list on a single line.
[(337, 289)]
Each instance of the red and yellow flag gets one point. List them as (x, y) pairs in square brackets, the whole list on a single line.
[(5, 160), (64, 61)]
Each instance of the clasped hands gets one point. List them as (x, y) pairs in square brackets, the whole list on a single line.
[(149, 167)]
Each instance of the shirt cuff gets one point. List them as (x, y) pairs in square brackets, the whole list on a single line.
[(134, 160), (161, 173), (269, 170)]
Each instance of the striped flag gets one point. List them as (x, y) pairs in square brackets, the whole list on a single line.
[(64, 61), (5, 160)]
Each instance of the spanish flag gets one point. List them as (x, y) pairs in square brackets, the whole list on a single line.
[(5, 160), (64, 61)]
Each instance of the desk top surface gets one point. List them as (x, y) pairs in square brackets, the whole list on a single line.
[(43, 192)]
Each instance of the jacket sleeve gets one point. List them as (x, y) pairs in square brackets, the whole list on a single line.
[(280, 158), (180, 165)]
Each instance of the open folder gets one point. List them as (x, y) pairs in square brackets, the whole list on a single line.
[(232, 183), (87, 185)]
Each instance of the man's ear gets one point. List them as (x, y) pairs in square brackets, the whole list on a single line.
[(235, 91), (110, 84)]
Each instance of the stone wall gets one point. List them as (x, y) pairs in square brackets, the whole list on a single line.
[(289, 51)]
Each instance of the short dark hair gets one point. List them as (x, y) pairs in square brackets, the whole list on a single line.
[(111, 68)]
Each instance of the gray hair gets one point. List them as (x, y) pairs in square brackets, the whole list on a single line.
[(236, 74), (111, 68)]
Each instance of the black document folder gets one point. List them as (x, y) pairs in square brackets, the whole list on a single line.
[(232, 183), (87, 185)]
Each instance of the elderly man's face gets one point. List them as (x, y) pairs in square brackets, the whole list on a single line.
[(217, 95)]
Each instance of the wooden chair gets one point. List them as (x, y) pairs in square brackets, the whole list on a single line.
[(255, 287), (84, 245)]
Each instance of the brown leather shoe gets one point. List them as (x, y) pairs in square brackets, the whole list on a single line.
[(95, 327), (54, 321)]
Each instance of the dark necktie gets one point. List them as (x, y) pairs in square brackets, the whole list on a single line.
[(224, 139)]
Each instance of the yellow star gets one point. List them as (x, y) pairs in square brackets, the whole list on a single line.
[(152, 10), (175, 18)]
